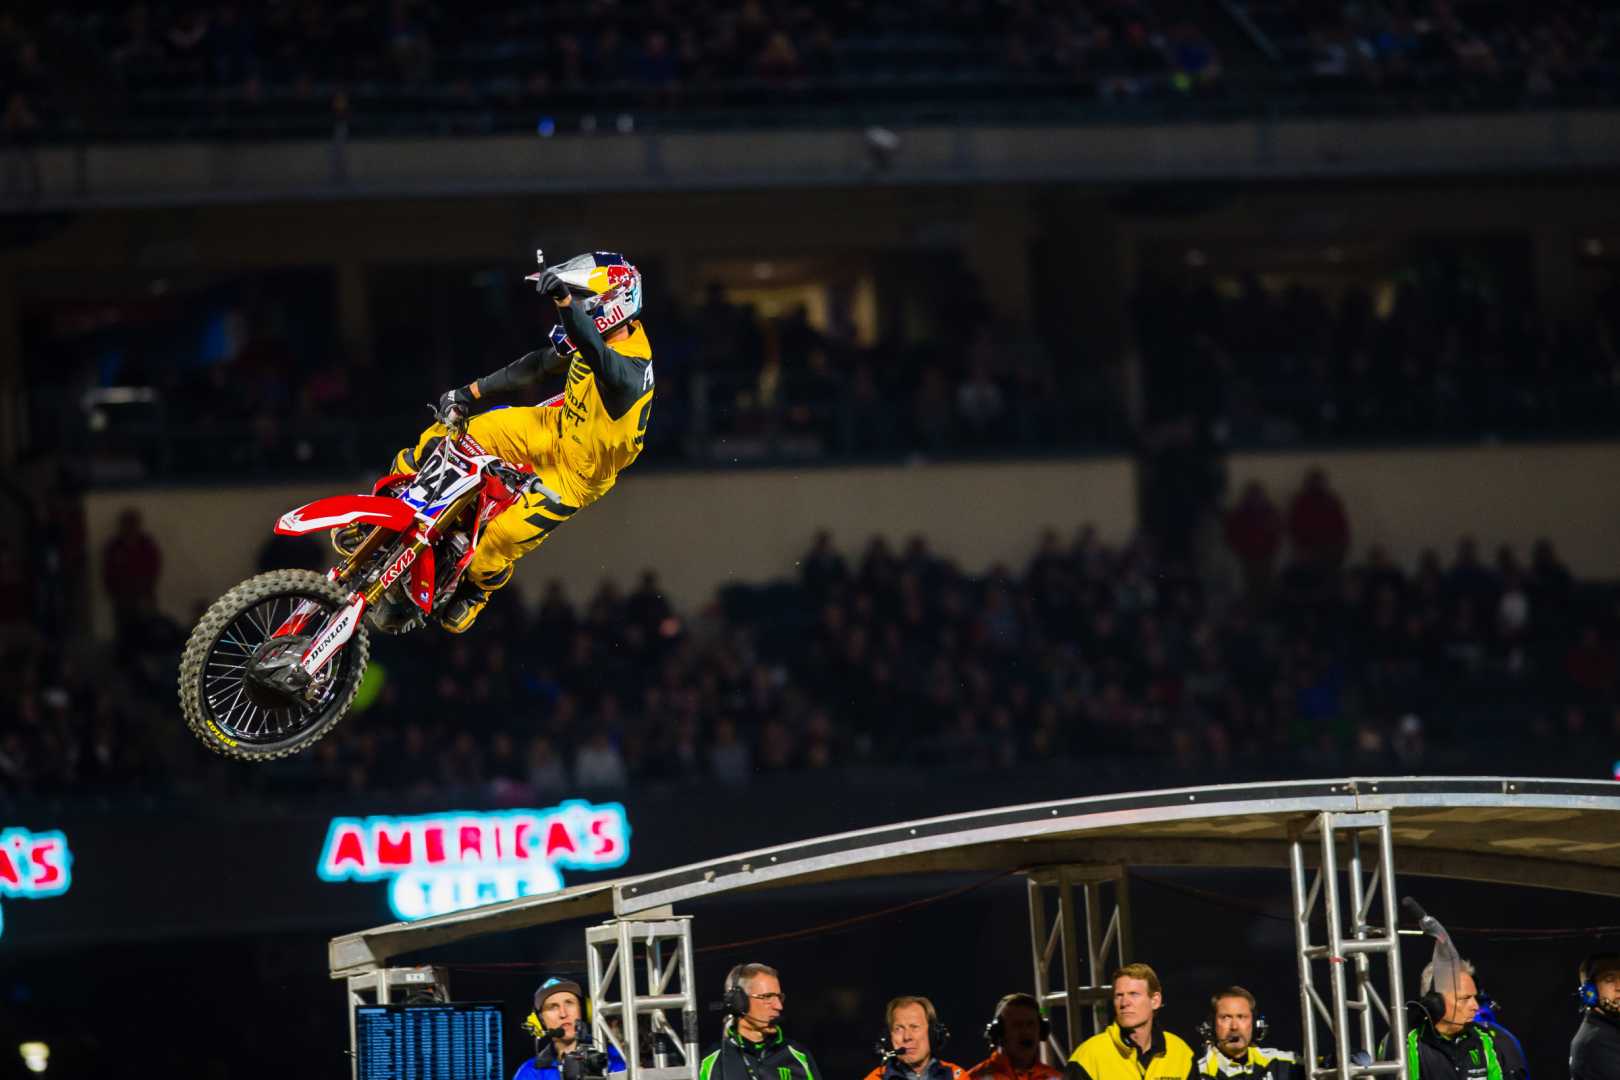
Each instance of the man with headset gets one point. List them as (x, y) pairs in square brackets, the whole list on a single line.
[(752, 1045), (1134, 1046), (1233, 1027), (915, 1038), (1448, 1044), (557, 1024), (1594, 1054), (1015, 1033)]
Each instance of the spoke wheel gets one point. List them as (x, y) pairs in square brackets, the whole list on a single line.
[(228, 690)]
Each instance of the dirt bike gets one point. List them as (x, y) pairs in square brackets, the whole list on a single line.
[(274, 664)]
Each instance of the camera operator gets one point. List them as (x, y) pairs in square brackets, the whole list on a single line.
[(1230, 1032), (562, 1037), (914, 1039), (1015, 1033), (752, 1045), (1594, 1054), (1133, 1047), (1448, 1045)]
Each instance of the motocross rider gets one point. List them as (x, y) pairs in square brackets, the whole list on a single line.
[(577, 446)]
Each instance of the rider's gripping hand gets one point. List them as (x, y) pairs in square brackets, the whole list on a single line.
[(457, 402), (555, 287)]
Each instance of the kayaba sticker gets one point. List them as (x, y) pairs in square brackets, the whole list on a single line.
[(436, 863), (33, 865)]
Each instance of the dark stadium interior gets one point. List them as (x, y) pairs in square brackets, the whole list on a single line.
[(1054, 398)]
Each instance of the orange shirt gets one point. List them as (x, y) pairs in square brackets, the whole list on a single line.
[(997, 1067), (936, 1069)]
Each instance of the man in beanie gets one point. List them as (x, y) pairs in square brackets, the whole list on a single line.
[(1595, 1052), (557, 1023)]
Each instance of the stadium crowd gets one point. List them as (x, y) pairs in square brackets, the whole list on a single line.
[(163, 69), (1089, 652), (1447, 358), (1438, 357), (156, 69)]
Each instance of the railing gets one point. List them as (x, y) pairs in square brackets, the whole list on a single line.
[(367, 155)]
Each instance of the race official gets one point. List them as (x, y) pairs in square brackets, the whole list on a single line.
[(1134, 1047), (1015, 1033), (556, 1024), (1448, 1045), (753, 1045), (1594, 1054), (1231, 1032), (915, 1036)]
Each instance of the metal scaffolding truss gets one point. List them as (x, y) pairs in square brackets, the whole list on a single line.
[(1537, 832), (1083, 985), (1353, 941), (640, 968)]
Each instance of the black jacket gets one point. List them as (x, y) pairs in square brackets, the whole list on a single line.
[(778, 1058), (1463, 1057), (1594, 1053)]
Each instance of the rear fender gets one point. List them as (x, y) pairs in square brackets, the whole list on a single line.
[(340, 510)]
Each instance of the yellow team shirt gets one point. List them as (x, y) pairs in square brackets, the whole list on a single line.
[(1108, 1055)]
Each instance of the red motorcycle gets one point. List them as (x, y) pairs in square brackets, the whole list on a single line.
[(274, 664)]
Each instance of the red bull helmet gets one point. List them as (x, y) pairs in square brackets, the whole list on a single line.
[(606, 284)]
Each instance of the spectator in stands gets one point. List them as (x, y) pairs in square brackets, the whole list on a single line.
[(729, 756), (914, 1029), (131, 565), (547, 775), (1591, 667), (1017, 1028), (1134, 1047), (822, 567), (981, 404), (1254, 532), (599, 763), (1318, 526)]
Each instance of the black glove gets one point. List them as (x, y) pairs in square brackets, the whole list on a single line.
[(553, 286), (458, 402)]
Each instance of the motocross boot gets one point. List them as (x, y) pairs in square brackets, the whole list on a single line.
[(464, 606)]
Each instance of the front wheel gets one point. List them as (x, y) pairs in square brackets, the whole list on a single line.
[(240, 716)]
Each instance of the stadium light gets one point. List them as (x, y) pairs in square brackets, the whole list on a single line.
[(36, 1056)]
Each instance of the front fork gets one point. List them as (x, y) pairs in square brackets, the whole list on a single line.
[(341, 626)]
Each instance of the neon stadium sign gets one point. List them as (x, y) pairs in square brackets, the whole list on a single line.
[(33, 865), (436, 863)]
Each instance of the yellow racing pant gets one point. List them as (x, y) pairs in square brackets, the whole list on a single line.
[(517, 435)]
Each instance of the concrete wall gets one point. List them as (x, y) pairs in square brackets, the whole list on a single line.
[(699, 530), (1411, 499)]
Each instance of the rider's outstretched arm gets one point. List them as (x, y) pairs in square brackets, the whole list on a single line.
[(620, 379), (526, 369)]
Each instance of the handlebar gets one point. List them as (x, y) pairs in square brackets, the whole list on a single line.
[(455, 420)]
